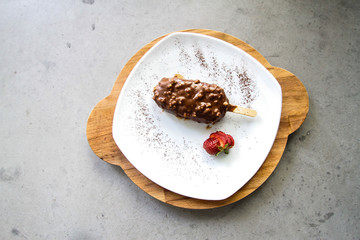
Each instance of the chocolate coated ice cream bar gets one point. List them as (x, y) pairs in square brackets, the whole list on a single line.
[(192, 99)]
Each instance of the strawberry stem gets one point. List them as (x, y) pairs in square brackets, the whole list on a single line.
[(224, 149)]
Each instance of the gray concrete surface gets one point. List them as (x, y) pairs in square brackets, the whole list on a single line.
[(59, 58)]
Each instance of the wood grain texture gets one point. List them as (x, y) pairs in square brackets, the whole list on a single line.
[(295, 106)]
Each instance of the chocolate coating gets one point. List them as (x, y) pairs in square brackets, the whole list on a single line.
[(191, 99)]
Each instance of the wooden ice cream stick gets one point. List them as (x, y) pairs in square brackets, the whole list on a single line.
[(243, 111)]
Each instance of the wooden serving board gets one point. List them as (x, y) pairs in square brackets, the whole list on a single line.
[(295, 106)]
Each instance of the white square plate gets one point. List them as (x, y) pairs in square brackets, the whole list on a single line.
[(168, 150)]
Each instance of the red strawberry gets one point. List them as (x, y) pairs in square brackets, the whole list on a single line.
[(218, 142), (211, 145), (230, 140), (221, 137), (225, 138)]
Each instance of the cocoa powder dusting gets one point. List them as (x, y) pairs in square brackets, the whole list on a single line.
[(247, 87), (200, 56), (147, 127)]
